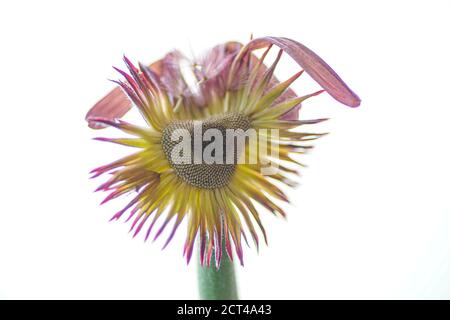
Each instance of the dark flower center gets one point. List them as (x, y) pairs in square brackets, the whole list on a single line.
[(204, 153)]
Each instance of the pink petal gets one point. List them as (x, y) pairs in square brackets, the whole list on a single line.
[(318, 69), (218, 59), (213, 71), (168, 71), (113, 106)]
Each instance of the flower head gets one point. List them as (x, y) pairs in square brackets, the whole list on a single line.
[(233, 92)]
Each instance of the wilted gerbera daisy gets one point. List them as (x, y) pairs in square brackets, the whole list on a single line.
[(233, 90)]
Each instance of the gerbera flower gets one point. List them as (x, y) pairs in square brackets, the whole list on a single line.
[(232, 89)]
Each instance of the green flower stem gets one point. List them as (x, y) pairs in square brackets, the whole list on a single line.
[(217, 284)]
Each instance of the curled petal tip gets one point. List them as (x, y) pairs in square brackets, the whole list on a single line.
[(355, 102)]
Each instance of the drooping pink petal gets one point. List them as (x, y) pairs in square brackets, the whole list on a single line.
[(318, 69), (112, 106)]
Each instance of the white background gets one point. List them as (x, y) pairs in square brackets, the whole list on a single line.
[(371, 218)]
